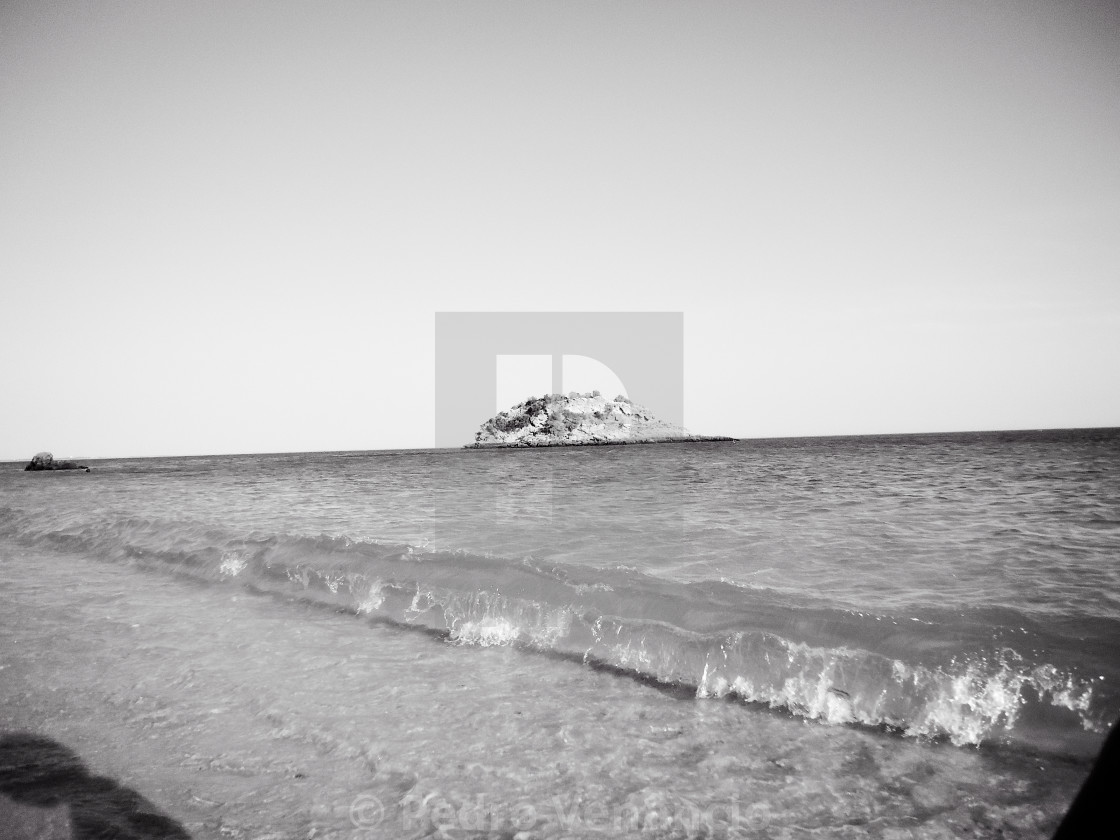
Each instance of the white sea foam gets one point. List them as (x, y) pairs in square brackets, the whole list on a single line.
[(233, 563), (486, 632), (968, 703), (374, 598)]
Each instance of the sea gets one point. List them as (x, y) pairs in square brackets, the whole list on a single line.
[(913, 636)]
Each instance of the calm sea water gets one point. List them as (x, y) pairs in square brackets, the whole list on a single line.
[(875, 636)]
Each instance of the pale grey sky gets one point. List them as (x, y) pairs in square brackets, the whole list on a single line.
[(226, 226)]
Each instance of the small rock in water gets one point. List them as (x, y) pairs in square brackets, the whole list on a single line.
[(45, 461)]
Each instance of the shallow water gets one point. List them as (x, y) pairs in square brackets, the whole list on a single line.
[(888, 637), (244, 715)]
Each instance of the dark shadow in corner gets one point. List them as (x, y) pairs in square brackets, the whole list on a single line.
[(36, 771), (1095, 804)]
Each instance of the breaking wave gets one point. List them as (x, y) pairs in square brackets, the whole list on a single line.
[(934, 676)]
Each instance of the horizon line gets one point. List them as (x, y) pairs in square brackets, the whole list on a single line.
[(464, 446)]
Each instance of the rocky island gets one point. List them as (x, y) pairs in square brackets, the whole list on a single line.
[(46, 461), (578, 420)]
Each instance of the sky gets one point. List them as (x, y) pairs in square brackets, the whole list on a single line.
[(226, 226)]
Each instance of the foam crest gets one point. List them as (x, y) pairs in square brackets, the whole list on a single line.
[(967, 703), (233, 563), (488, 618), (486, 632), (373, 599)]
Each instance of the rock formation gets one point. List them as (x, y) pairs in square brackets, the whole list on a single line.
[(46, 461), (578, 420)]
